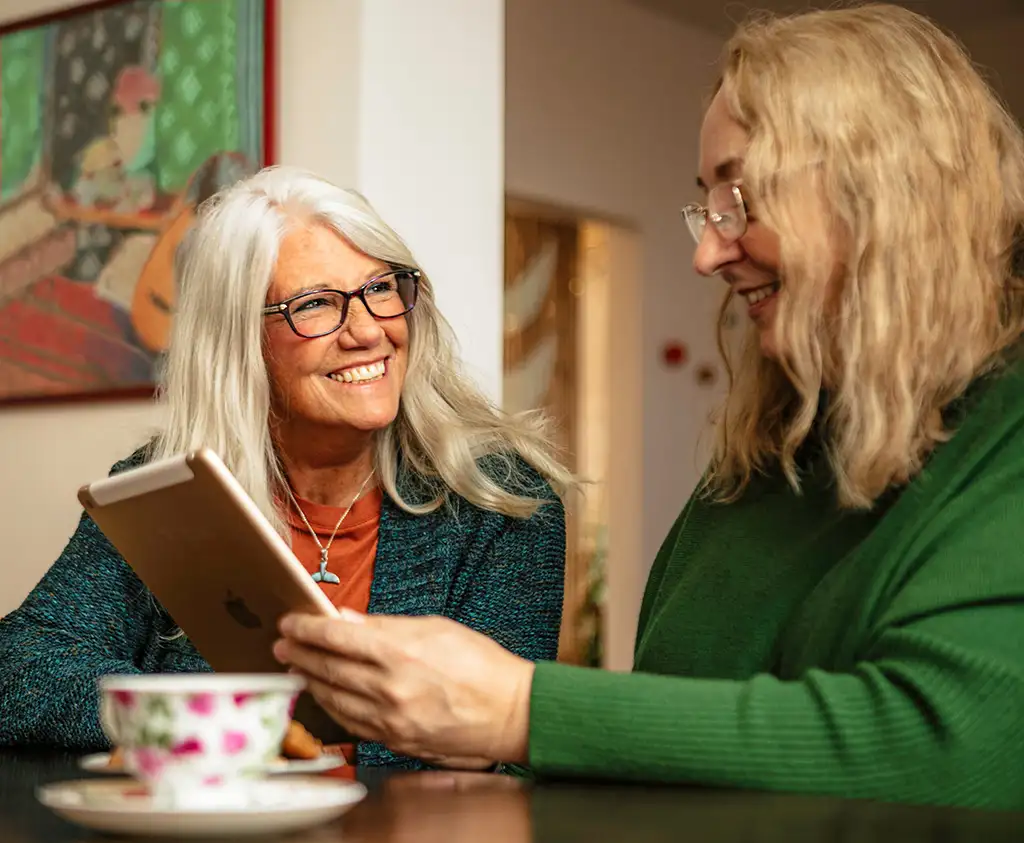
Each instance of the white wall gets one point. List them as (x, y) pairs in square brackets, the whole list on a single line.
[(399, 98), (431, 153), (603, 105), (404, 100)]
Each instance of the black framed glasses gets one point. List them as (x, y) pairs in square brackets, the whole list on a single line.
[(726, 209), (321, 312)]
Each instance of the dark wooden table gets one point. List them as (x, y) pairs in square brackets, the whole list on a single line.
[(477, 808)]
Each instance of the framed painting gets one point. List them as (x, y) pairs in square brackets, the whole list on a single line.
[(117, 119)]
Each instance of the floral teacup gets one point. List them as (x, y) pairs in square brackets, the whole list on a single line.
[(198, 739)]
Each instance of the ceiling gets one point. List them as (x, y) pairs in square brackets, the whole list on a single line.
[(721, 16)]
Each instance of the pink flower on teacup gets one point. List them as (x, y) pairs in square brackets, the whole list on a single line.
[(189, 746), (235, 742), (125, 699), (148, 761), (243, 697), (201, 704)]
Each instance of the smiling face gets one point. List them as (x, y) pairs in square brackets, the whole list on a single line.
[(751, 263), (350, 380)]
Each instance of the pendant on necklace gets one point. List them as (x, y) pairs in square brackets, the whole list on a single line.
[(323, 575)]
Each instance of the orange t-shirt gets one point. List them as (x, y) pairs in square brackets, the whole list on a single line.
[(353, 552), (351, 557)]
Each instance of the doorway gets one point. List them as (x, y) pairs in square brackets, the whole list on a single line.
[(571, 349)]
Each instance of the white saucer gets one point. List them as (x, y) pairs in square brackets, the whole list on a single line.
[(100, 763), (121, 806)]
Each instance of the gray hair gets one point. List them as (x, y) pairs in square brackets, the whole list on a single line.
[(216, 391)]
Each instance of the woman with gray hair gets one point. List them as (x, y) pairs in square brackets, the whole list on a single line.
[(308, 352)]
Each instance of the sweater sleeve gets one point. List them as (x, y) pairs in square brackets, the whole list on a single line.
[(89, 616), (86, 618), (510, 584), (516, 584), (930, 713)]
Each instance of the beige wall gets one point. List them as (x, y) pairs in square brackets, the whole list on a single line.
[(622, 327), (357, 91), (996, 46), (603, 104)]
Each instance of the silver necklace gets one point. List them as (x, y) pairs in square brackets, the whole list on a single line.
[(323, 575)]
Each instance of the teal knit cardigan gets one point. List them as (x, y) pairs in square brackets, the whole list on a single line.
[(90, 615)]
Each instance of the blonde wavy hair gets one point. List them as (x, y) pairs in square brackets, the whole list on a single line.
[(216, 390), (872, 138)]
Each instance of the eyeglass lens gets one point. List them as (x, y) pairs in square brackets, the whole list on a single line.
[(724, 207), (316, 314)]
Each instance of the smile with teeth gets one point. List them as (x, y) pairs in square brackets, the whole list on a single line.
[(360, 374), (761, 293)]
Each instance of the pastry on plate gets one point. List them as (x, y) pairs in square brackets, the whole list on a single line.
[(299, 744)]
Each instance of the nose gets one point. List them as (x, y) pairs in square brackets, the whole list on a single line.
[(713, 252), (361, 329)]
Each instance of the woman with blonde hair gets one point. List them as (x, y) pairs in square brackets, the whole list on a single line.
[(839, 609), (309, 353)]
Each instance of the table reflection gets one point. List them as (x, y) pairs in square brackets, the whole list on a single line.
[(483, 808), (443, 807)]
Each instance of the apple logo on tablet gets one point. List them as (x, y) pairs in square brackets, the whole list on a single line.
[(240, 613)]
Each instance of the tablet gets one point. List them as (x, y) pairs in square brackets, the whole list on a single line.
[(199, 543)]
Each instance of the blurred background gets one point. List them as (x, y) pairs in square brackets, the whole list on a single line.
[(535, 155)]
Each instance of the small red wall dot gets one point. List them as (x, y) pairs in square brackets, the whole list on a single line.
[(674, 354)]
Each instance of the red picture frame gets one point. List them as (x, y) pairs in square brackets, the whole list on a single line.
[(86, 294)]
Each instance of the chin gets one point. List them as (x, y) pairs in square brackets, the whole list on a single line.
[(767, 341), (370, 423)]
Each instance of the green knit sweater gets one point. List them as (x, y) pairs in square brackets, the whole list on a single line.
[(786, 645)]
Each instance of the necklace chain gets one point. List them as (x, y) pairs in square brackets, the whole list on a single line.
[(323, 575)]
